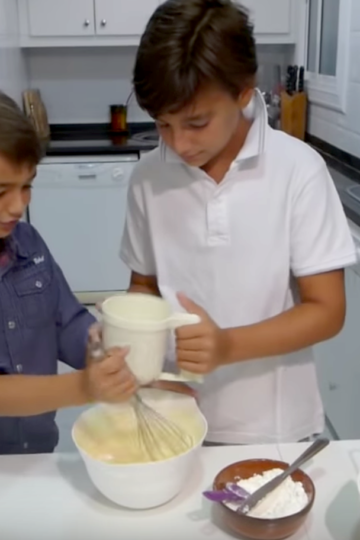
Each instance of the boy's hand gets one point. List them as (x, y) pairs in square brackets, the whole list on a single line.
[(109, 378), (203, 347)]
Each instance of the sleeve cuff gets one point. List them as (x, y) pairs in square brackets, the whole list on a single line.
[(135, 266), (327, 266)]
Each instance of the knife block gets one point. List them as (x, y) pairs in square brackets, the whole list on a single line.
[(294, 114)]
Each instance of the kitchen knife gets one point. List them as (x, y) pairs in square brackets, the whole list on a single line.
[(301, 83), (288, 83), (295, 78)]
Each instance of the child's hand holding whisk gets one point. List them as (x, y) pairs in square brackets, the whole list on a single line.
[(109, 380)]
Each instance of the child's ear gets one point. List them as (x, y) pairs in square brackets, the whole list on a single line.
[(245, 97)]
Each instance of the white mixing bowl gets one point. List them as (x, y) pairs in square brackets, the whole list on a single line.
[(146, 485)]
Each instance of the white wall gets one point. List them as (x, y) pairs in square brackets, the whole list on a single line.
[(343, 130), (79, 84), (13, 75)]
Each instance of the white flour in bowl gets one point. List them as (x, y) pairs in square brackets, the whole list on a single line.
[(289, 498)]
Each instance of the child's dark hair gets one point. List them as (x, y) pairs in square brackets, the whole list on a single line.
[(188, 44), (19, 142)]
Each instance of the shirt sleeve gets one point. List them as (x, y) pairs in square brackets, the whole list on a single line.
[(136, 247), (72, 321), (320, 236)]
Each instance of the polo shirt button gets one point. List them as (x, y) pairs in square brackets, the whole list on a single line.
[(19, 368), (11, 325), (38, 284)]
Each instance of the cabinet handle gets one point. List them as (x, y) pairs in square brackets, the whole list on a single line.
[(87, 176), (86, 23), (103, 22)]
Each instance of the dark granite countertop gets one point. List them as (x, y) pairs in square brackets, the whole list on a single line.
[(345, 177), (90, 139), (345, 171)]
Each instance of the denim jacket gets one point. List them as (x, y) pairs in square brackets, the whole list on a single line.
[(41, 322)]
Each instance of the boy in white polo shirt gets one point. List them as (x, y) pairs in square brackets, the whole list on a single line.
[(243, 220)]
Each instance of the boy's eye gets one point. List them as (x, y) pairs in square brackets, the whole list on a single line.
[(199, 126)]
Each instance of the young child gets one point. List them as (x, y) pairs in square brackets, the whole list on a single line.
[(41, 321), (242, 219)]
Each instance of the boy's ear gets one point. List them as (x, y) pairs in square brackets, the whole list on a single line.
[(245, 97)]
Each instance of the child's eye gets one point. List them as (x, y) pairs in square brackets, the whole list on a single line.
[(199, 126)]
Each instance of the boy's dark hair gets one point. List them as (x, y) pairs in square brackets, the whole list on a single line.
[(191, 43), (19, 142)]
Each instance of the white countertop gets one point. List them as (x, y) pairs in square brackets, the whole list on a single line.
[(45, 497)]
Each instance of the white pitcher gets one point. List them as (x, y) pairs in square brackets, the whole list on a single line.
[(142, 322)]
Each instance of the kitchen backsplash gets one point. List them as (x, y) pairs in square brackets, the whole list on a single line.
[(78, 85)]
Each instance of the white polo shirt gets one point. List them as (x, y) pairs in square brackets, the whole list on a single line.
[(232, 248)]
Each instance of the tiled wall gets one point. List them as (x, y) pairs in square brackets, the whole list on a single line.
[(13, 75), (78, 84), (343, 131)]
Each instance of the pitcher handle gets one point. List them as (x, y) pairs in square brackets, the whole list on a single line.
[(176, 321), (191, 377), (183, 376)]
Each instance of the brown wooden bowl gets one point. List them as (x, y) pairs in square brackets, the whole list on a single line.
[(256, 528)]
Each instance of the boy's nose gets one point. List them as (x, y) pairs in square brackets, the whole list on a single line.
[(181, 145), (16, 206)]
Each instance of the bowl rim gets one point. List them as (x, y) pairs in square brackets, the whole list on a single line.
[(136, 465), (266, 521)]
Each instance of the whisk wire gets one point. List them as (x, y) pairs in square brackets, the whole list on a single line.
[(157, 435)]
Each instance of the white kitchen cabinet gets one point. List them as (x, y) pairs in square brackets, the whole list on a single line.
[(71, 23), (61, 18), (123, 17), (270, 16), (338, 365), (96, 23)]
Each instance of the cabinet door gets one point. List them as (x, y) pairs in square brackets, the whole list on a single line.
[(50, 18), (123, 17), (338, 365), (270, 16)]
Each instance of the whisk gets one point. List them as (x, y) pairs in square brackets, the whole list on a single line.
[(160, 437), (157, 435)]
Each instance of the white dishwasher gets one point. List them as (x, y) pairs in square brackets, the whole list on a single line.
[(78, 206)]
